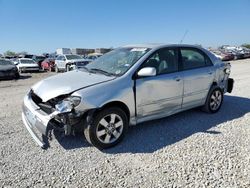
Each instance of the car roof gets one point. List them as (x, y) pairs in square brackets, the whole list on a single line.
[(160, 45)]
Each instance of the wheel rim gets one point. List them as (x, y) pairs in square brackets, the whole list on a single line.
[(215, 100), (109, 128)]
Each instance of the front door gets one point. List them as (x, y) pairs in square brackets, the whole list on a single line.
[(160, 95)]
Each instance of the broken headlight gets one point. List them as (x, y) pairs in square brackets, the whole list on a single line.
[(68, 104)]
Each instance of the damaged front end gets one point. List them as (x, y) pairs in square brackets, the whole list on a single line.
[(57, 114)]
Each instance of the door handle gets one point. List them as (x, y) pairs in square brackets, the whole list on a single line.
[(210, 72)]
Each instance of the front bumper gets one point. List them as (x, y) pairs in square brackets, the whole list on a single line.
[(35, 120), (27, 69), (6, 74)]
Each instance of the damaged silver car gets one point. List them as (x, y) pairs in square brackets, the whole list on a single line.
[(126, 86)]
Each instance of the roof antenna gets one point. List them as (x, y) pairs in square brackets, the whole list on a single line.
[(186, 32)]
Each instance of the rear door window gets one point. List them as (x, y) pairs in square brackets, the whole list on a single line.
[(193, 58)]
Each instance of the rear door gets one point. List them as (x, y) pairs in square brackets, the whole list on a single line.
[(198, 73), (160, 95)]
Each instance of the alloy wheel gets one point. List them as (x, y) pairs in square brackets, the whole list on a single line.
[(109, 128), (215, 100)]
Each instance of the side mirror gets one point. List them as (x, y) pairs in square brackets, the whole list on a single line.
[(146, 72)]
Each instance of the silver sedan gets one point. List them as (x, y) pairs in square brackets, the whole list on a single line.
[(126, 86)]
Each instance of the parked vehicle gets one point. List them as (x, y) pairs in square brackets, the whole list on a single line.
[(94, 56), (48, 64), (224, 56), (36, 58), (126, 86), (237, 54), (246, 52), (26, 65), (39, 60), (79, 65), (63, 62), (8, 69)]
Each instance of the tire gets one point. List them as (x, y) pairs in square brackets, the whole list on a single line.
[(214, 100), (17, 75), (108, 123), (67, 68), (56, 69)]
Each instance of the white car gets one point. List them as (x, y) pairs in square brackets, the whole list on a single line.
[(64, 62), (26, 65), (94, 56)]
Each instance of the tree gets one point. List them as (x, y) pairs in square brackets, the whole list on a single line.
[(246, 45), (9, 53)]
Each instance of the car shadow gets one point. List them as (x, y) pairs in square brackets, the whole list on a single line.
[(151, 136), (24, 77)]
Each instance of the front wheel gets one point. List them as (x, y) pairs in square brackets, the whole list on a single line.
[(214, 100), (108, 128), (56, 69)]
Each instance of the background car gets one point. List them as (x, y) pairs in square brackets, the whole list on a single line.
[(63, 62), (80, 65), (94, 56), (8, 69), (224, 56), (38, 59), (26, 65), (48, 64)]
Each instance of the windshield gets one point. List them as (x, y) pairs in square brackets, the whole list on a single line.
[(118, 61), (69, 57), (27, 61), (5, 62)]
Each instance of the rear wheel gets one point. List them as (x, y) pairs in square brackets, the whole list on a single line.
[(67, 68), (56, 69), (214, 100), (108, 128)]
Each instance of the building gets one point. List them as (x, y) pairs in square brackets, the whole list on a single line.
[(82, 51), (102, 50), (61, 51)]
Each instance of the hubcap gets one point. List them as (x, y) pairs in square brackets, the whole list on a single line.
[(215, 100), (109, 128)]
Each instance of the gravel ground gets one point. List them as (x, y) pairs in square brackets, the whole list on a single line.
[(189, 149)]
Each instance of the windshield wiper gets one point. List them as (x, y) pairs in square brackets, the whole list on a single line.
[(102, 72)]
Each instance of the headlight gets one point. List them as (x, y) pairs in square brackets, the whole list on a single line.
[(68, 104)]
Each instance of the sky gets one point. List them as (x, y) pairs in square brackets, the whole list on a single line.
[(38, 26)]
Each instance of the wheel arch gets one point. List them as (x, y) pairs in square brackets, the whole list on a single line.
[(118, 104)]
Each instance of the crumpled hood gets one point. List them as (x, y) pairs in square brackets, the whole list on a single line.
[(67, 83)]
